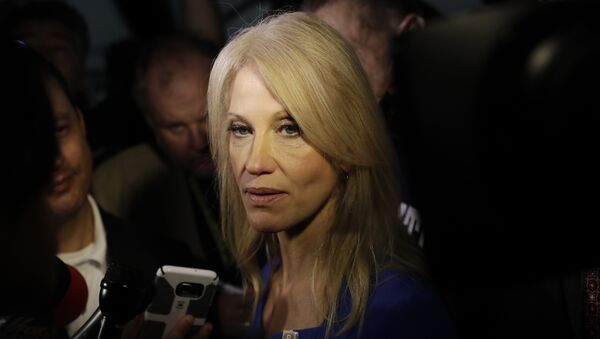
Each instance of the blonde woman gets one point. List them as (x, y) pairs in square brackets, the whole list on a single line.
[(305, 173)]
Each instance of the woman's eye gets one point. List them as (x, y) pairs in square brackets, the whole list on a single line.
[(239, 129), (290, 129)]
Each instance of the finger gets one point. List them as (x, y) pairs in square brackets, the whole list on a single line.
[(204, 331), (132, 327), (181, 328)]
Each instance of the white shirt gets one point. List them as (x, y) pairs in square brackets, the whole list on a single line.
[(91, 262)]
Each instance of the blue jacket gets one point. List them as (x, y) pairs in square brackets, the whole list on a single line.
[(401, 305)]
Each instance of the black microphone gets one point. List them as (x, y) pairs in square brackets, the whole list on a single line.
[(124, 293)]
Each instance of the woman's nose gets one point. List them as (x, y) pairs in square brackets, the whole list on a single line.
[(260, 160)]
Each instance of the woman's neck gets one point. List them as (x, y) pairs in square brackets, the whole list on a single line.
[(299, 249), (297, 262), (291, 298), (293, 294)]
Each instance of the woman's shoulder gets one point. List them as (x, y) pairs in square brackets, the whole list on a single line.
[(405, 303), (394, 286)]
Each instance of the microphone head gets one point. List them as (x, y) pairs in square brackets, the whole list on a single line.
[(72, 295), (124, 293)]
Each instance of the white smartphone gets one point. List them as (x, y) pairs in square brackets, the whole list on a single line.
[(179, 291)]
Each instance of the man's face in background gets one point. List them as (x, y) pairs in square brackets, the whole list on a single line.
[(177, 101)]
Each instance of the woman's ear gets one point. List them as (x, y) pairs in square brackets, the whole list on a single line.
[(345, 172), (410, 22)]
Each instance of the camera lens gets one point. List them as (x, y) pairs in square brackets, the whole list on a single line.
[(190, 290)]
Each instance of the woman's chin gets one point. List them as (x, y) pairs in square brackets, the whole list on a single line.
[(266, 225)]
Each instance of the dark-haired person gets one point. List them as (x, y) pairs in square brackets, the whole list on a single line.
[(57, 31), (45, 208), (89, 238), (60, 34), (27, 243)]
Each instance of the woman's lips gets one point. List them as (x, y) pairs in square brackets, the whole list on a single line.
[(262, 197)]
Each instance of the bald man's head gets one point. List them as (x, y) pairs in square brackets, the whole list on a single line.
[(172, 94), (370, 26)]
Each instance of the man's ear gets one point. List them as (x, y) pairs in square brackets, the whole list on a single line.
[(409, 23), (81, 121)]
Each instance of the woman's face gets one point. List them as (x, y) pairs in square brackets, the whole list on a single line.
[(284, 182)]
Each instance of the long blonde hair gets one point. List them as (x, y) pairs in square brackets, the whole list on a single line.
[(315, 75)]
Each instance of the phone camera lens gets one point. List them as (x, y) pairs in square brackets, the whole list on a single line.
[(189, 290)]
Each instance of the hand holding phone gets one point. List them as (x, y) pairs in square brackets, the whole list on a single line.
[(179, 291)]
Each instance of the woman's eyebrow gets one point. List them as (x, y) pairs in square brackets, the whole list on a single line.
[(235, 116)]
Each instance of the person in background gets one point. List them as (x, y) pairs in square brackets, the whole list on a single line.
[(370, 27), (117, 115), (31, 230), (27, 239), (87, 237), (166, 187), (60, 34), (306, 172), (149, 184)]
